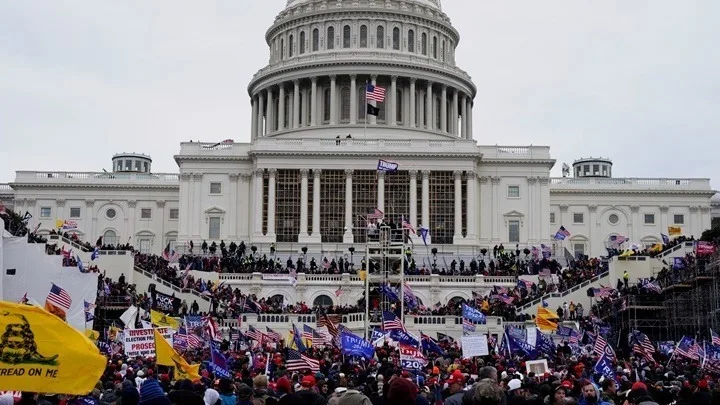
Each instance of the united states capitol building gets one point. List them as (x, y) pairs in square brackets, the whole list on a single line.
[(308, 177)]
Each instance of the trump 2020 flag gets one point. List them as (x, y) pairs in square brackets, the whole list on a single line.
[(48, 356), (353, 345), (218, 362), (387, 166)]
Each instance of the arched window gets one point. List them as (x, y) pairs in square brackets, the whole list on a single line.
[(330, 40), (282, 48), (290, 46), (363, 36), (380, 34), (423, 40), (399, 107), (362, 104), (346, 36), (276, 299), (323, 301), (396, 38), (326, 105), (435, 47), (437, 112), (302, 42), (315, 40), (109, 237), (345, 104), (455, 301), (411, 41)]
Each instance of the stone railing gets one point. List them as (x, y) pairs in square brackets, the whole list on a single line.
[(563, 293), (355, 280), (283, 322), (630, 183), (171, 285), (96, 177), (5, 188)]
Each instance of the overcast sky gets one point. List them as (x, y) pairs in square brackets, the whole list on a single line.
[(637, 81)]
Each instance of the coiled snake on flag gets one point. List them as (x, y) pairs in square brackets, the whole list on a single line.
[(17, 344)]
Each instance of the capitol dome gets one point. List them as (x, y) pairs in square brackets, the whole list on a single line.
[(323, 53)]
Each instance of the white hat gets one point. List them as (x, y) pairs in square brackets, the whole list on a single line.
[(514, 384)]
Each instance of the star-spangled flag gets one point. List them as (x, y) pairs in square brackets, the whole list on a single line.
[(375, 93), (89, 311), (297, 361), (392, 322), (714, 338)]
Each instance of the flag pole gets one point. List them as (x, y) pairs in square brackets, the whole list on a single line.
[(366, 111)]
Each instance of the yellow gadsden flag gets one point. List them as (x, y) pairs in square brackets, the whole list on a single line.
[(41, 353), (674, 231), (167, 356), (545, 319), (159, 319)]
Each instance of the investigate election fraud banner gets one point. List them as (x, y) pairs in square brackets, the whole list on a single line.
[(141, 342)]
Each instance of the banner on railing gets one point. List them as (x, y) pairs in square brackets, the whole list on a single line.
[(141, 342), (166, 303), (278, 277)]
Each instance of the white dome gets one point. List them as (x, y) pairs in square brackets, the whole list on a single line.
[(715, 199), (426, 3)]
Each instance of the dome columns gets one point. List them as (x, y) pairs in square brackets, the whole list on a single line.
[(339, 100)]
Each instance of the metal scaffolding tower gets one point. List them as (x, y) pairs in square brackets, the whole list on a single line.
[(385, 265)]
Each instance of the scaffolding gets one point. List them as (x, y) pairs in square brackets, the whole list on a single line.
[(385, 251), (688, 305)]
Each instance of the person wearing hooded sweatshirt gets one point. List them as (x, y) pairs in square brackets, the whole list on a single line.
[(226, 392), (590, 395), (352, 396)]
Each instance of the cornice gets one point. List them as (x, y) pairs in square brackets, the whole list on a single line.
[(364, 154), (100, 186), (633, 192)]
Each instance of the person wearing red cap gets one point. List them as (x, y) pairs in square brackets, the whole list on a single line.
[(307, 394), (702, 395), (639, 395), (456, 383)]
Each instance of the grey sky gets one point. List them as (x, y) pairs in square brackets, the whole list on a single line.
[(637, 81)]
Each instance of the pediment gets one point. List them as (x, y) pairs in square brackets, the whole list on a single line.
[(214, 210), (514, 214)]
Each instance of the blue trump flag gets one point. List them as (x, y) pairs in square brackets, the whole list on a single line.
[(472, 314), (429, 344), (514, 345), (544, 343), (604, 366), (354, 345), (218, 363), (403, 338)]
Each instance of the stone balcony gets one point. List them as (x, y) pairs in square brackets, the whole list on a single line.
[(630, 184), (95, 179)]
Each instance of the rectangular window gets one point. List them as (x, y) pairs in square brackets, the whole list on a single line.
[(513, 191), (514, 231), (145, 213), (552, 217), (144, 246), (174, 213), (45, 212), (649, 219), (74, 212), (578, 218), (214, 228), (578, 248), (215, 188), (678, 219)]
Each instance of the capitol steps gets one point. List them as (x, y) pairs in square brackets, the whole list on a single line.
[(142, 280), (577, 294)]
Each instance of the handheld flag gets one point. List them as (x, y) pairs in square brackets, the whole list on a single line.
[(52, 357), (166, 356)]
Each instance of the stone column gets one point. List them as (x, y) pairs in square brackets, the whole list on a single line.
[(316, 203), (381, 191), (304, 202), (472, 206), (463, 118), (457, 234), (544, 201), (333, 100), (281, 108), (426, 199), (130, 222), (429, 116), (353, 99), (253, 126), (485, 210), (413, 198), (270, 122), (454, 122), (304, 116), (348, 236), (393, 100), (592, 228), (233, 208), (296, 104), (373, 119), (413, 107), (495, 208), (60, 209), (313, 102), (258, 193), (197, 204), (443, 109), (663, 220), (693, 220), (261, 115), (634, 222), (243, 207), (469, 121), (272, 172), (89, 214)]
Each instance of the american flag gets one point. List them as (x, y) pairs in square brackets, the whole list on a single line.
[(687, 348), (377, 214), (574, 340), (251, 305), (307, 333), (642, 345), (392, 322), (193, 341), (602, 292), (274, 336), (714, 338), (602, 347), (329, 321), (297, 362), (407, 225), (468, 326), (255, 334), (211, 329), (319, 339), (59, 297), (375, 93), (654, 286), (563, 231), (170, 254), (234, 334)]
